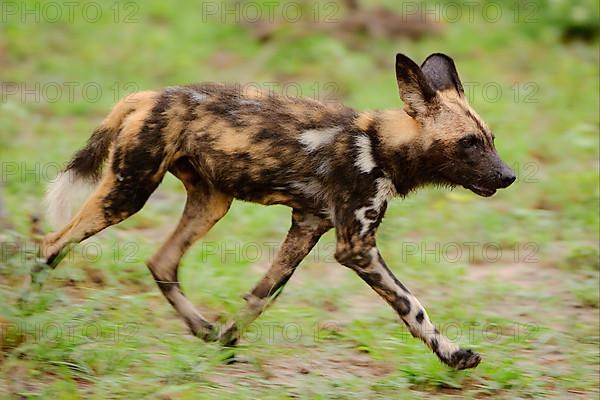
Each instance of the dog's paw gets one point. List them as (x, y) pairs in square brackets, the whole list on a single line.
[(463, 359), (230, 335)]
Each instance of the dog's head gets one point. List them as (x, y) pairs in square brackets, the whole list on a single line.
[(458, 146)]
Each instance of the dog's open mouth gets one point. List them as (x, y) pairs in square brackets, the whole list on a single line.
[(481, 191)]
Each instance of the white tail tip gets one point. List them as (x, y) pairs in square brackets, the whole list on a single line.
[(65, 193)]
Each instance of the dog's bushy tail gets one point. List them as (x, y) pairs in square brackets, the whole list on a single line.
[(82, 173)]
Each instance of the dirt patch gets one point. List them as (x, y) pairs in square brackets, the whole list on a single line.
[(345, 364), (525, 275), (289, 370), (537, 278), (557, 309)]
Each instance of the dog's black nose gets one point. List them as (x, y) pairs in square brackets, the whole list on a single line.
[(507, 179)]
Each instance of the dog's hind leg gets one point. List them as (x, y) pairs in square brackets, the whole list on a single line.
[(115, 199), (204, 207), (136, 166), (304, 233)]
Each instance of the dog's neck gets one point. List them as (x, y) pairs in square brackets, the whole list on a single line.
[(401, 148)]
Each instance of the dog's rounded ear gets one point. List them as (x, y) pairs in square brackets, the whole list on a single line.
[(416, 93), (441, 74)]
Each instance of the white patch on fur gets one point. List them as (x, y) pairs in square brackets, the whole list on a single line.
[(323, 168), (385, 191), (311, 189), (253, 103), (198, 97), (365, 222), (424, 330), (364, 161), (172, 89), (312, 139), (63, 195), (194, 95)]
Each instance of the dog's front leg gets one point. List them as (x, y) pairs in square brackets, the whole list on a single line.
[(356, 249)]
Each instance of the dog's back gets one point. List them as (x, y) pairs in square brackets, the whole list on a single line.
[(262, 147)]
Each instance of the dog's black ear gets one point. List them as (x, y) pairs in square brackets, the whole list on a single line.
[(441, 74), (415, 92)]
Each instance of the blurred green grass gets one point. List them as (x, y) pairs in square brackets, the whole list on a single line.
[(548, 130)]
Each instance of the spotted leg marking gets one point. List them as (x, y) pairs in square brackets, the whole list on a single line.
[(304, 233), (356, 249)]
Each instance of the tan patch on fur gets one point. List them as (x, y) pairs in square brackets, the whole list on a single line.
[(270, 162), (364, 120), (175, 120), (133, 122), (276, 198), (128, 136), (307, 109), (233, 141), (136, 117), (199, 126), (397, 128), (460, 122), (254, 93), (135, 101), (451, 95), (454, 102), (173, 132)]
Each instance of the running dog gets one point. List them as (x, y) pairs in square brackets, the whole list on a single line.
[(334, 166)]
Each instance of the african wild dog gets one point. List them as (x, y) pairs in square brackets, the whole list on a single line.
[(335, 167)]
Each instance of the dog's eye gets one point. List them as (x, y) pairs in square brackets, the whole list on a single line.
[(469, 141)]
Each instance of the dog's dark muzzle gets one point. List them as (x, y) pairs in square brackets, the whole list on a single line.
[(502, 178), (506, 177)]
